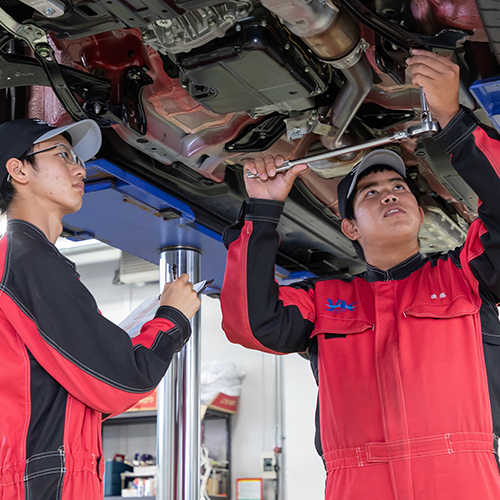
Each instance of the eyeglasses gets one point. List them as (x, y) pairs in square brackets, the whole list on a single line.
[(66, 152)]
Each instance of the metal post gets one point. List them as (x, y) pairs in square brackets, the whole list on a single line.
[(178, 417), (279, 438)]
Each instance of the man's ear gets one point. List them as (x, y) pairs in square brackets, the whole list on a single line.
[(422, 215), (349, 229), (17, 170)]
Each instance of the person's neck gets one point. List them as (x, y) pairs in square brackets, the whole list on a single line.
[(386, 258), (49, 224)]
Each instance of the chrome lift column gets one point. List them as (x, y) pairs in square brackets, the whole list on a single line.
[(178, 418)]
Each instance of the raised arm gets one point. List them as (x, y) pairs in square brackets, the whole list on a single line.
[(257, 313), (475, 154)]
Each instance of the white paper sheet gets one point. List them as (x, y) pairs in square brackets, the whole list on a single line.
[(146, 311)]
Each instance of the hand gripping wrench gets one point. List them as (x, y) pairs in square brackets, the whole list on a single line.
[(426, 126)]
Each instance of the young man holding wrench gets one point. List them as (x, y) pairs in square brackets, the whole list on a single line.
[(407, 354), (63, 365)]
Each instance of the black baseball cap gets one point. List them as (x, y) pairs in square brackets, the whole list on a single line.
[(17, 136), (384, 157)]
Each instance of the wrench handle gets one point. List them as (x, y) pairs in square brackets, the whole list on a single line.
[(400, 135), (426, 126), (287, 165)]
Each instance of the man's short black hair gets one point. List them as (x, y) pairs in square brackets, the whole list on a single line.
[(7, 190), (349, 208)]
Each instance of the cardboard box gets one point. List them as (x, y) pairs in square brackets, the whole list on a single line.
[(218, 483), (148, 403), (223, 402)]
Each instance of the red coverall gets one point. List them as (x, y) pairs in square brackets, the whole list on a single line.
[(62, 367), (407, 360)]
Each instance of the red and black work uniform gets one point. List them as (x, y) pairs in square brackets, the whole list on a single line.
[(407, 360), (62, 366)]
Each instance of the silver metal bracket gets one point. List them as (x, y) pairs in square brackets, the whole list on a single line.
[(30, 34), (48, 8), (296, 128), (36, 39)]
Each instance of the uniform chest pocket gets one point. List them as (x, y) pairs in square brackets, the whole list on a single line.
[(335, 328), (458, 307)]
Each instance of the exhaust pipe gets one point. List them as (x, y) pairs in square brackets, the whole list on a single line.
[(334, 36), (359, 81)]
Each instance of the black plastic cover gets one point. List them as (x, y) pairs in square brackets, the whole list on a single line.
[(260, 137), (256, 64)]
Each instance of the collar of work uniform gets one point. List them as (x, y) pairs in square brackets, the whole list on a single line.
[(14, 225), (398, 272)]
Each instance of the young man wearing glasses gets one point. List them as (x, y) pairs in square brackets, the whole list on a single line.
[(63, 365)]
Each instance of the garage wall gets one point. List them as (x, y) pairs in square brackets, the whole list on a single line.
[(254, 426)]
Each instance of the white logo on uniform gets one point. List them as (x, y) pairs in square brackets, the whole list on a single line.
[(442, 295)]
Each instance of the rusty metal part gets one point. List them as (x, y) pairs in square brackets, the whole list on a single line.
[(329, 32), (338, 40)]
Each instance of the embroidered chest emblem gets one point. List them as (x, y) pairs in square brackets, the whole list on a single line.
[(442, 295), (339, 306)]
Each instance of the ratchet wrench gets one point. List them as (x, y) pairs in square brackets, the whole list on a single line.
[(426, 126)]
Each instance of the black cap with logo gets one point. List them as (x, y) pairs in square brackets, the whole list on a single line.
[(17, 136), (384, 157)]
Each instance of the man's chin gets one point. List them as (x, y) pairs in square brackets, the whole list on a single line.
[(395, 236), (74, 209)]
